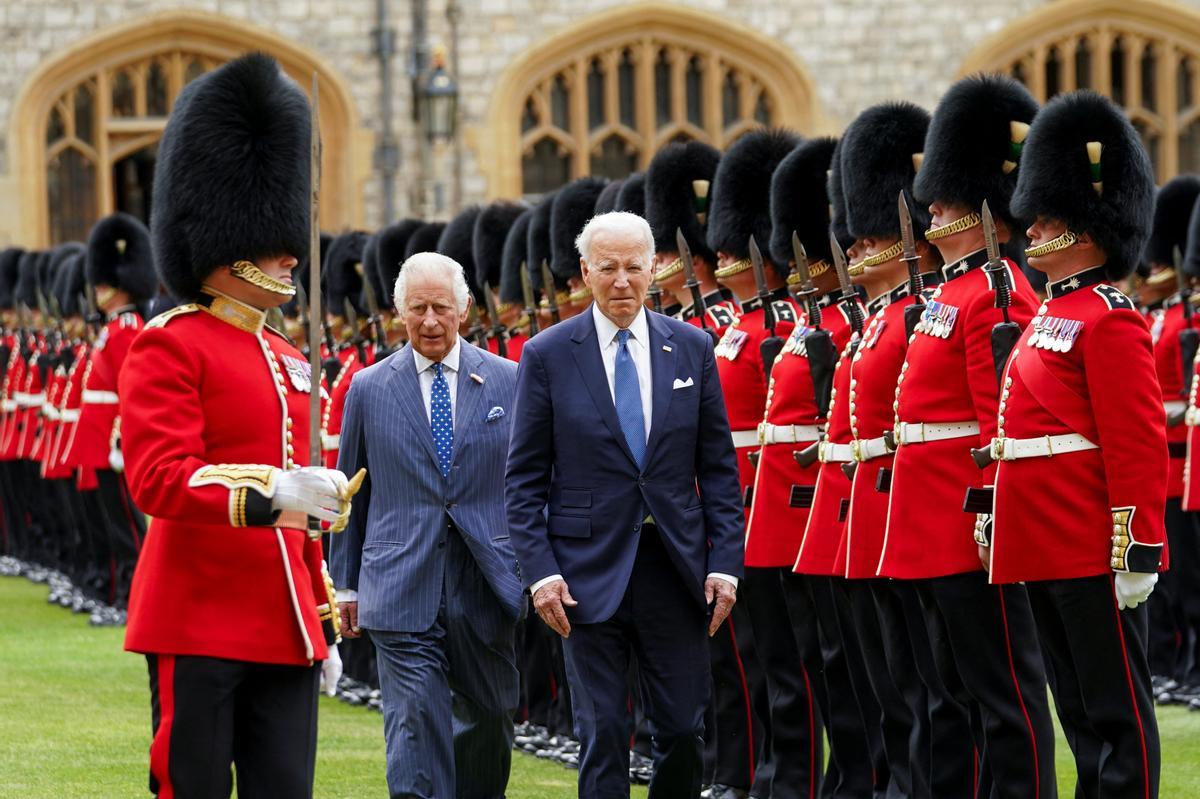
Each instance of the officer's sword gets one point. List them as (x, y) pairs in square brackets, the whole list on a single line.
[(314, 292), (818, 342)]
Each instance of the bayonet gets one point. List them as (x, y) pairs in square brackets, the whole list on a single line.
[(807, 292), (497, 328), (849, 298), (818, 343), (475, 331), (699, 308), (916, 286), (356, 336), (548, 290), (760, 281), (531, 310), (376, 320)]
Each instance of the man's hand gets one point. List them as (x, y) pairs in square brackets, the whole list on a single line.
[(349, 613), (549, 602), (725, 595)]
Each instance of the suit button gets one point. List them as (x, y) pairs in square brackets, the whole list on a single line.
[(637, 528), (441, 543), (641, 481), (449, 505)]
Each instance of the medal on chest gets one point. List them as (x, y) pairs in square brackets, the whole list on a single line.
[(795, 344), (872, 335), (1157, 328), (731, 344), (299, 372), (938, 319), (1055, 333)]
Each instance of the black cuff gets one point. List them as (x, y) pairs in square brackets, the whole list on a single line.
[(1143, 558), (329, 631), (258, 510)]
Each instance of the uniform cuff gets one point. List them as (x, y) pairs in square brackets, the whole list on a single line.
[(729, 578), (1128, 554), (248, 508)]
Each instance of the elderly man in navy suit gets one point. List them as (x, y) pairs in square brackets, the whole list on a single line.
[(425, 564), (625, 512)]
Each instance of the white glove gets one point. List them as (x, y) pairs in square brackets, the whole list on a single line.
[(1133, 588), (331, 671), (116, 460), (312, 490)]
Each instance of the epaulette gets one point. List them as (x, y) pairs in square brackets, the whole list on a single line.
[(784, 311), (1113, 297), (280, 333), (166, 316)]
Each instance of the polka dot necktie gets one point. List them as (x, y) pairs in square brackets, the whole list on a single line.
[(628, 396), (441, 421)]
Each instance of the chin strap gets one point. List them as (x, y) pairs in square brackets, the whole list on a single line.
[(957, 226), (1054, 245), (247, 271)]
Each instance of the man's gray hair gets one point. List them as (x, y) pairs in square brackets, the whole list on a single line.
[(434, 265), (617, 222)]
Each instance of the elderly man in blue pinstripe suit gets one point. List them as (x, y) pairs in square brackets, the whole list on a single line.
[(425, 565)]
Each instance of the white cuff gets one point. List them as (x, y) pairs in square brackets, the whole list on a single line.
[(347, 595), (533, 589), (726, 577)]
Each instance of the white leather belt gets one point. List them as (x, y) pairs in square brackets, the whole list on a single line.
[(50, 412), (744, 438), (8, 406), (92, 397), (1010, 449), (69, 415), (924, 432), (787, 433), (865, 449), (1175, 406), (835, 453), (330, 442), (24, 400)]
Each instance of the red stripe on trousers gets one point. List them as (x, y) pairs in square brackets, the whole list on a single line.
[(160, 747), (737, 656), (1037, 783), (1132, 693)]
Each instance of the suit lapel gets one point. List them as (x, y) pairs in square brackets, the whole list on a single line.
[(470, 394), (408, 392), (591, 369), (662, 378)]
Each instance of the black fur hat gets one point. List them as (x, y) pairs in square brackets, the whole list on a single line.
[(232, 177), (835, 188), (372, 276), (632, 197), (974, 145), (1172, 209), (70, 283), (800, 201), (537, 241), (391, 245), (1085, 164), (677, 192), (53, 269), (878, 163), (573, 207), (607, 201), (455, 242), (515, 247), (25, 289), (343, 271), (741, 194), (119, 255), (487, 242), (423, 239), (10, 261)]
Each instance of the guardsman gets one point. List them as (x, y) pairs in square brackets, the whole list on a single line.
[(455, 243), (572, 208), (230, 602), (739, 214), (1173, 330), (487, 246), (10, 345), (678, 183), (389, 254), (510, 291), (343, 289), (946, 399), (1080, 484)]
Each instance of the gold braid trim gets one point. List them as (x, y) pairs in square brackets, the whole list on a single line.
[(237, 507), (579, 295), (957, 226), (237, 475), (332, 604), (735, 268), (1054, 245), (247, 271), (895, 251), (1121, 539), (669, 271)]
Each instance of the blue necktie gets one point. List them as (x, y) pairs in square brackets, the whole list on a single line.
[(441, 421), (629, 399)]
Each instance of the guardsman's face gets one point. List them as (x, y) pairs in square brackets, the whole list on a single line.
[(431, 316), (618, 273), (661, 261), (1045, 229)]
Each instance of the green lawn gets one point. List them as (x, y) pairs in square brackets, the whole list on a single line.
[(75, 721)]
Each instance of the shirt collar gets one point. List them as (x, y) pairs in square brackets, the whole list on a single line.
[(1087, 277), (449, 362), (606, 329)]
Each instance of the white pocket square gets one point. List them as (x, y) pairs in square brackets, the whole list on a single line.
[(682, 383)]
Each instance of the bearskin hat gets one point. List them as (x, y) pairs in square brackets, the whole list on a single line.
[(456, 243), (677, 192), (1191, 255), (973, 146), (372, 275), (741, 194), (1172, 210), (119, 255), (423, 239), (800, 201), (878, 163), (537, 241), (574, 205), (10, 261), (391, 247), (25, 289), (1085, 164), (513, 260), (835, 188), (632, 197), (70, 281), (61, 257), (232, 177), (607, 201), (343, 272), (487, 242)]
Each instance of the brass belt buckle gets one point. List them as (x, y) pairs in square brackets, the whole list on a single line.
[(997, 449), (856, 450)]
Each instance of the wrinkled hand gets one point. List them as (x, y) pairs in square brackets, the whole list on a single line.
[(1133, 588), (331, 671), (725, 595), (312, 490), (549, 602), (349, 613)]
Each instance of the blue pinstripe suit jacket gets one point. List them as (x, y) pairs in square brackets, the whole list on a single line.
[(393, 551)]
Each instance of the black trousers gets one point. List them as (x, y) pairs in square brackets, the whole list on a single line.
[(126, 526), (796, 726), (209, 714), (994, 644), (733, 733), (1101, 685), (1172, 611)]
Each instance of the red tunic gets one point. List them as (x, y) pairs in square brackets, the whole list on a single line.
[(209, 399), (514, 342), (948, 377), (331, 418), (776, 525), (1165, 327), (30, 399), (69, 402), (1054, 518), (98, 417), (14, 382)]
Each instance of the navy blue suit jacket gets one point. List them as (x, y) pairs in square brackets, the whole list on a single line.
[(393, 551), (567, 452)]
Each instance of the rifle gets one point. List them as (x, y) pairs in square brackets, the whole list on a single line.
[(498, 330), (772, 344), (1189, 337), (356, 337), (699, 306), (376, 320), (531, 310), (302, 308), (655, 294), (912, 314), (548, 290), (818, 342)]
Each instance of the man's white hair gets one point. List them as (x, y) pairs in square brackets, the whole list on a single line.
[(616, 222), (432, 265)]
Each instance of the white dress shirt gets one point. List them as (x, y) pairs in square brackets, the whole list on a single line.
[(639, 350)]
